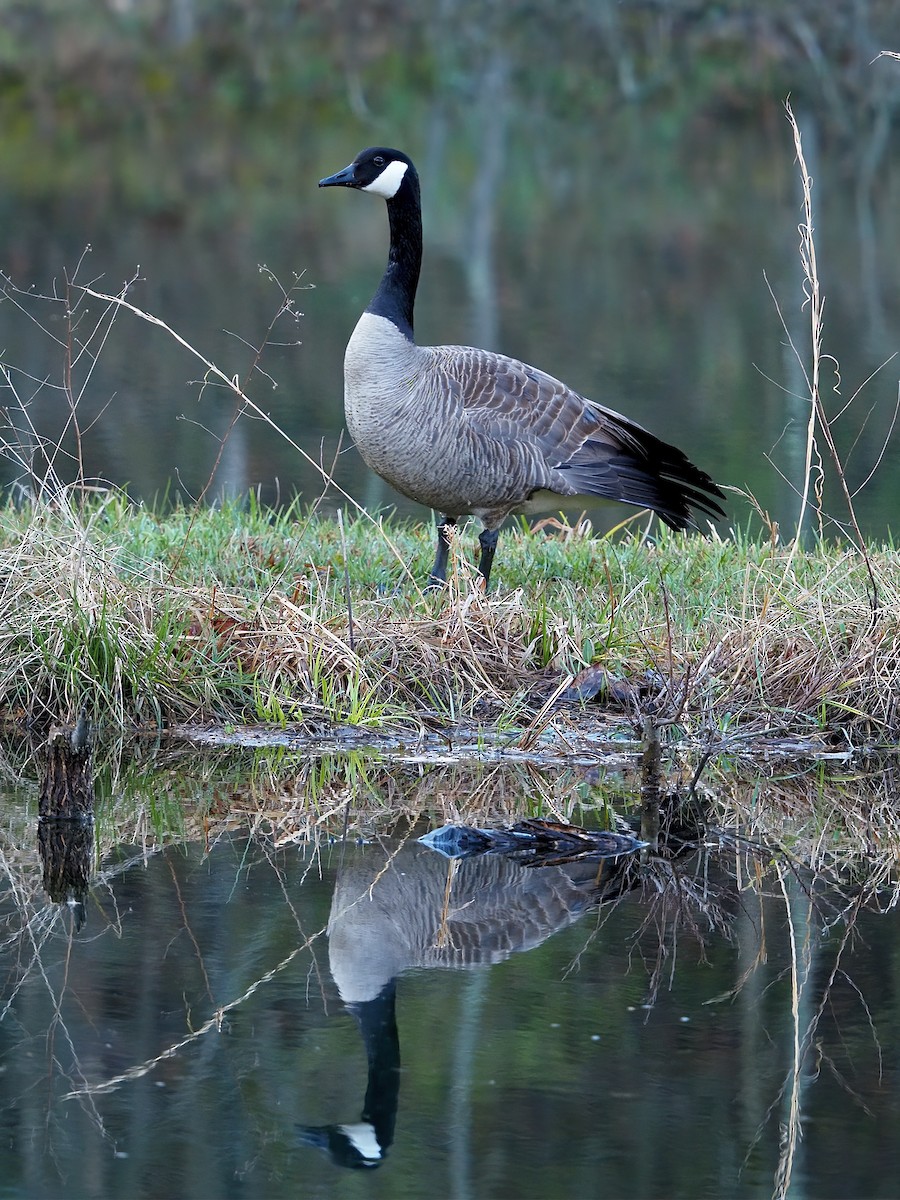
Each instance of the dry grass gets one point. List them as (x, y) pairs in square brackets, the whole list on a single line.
[(723, 640)]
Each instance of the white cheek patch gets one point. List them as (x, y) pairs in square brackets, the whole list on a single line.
[(362, 1137), (388, 182)]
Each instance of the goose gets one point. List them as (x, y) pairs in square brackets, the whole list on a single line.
[(365, 1143), (471, 432), (398, 906)]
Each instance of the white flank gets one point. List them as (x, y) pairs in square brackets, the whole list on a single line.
[(388, 181)]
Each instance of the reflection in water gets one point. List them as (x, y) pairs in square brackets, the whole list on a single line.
[(175, 1043), (400, 907), (366, 1143), (66, 819)]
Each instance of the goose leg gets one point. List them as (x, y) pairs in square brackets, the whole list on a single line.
[(487, 539), (438, 574)]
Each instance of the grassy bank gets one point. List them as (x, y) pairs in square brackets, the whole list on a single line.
[(239, 614)]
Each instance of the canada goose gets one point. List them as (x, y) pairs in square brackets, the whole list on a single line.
[(469, 431), (366, 1142), (398, 907)]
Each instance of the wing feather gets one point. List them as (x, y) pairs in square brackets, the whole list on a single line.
[(553, 438)]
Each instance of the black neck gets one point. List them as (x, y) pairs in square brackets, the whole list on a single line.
[(396, 295), (378, 1024)]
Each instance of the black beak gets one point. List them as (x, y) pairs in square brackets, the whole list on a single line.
[(345, 178)]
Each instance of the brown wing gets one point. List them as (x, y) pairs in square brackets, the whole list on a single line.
[(566, 443)]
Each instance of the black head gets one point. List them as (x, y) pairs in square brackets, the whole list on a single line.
[(378, 170)]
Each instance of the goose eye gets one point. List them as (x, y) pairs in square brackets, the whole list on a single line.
[(379, 160)]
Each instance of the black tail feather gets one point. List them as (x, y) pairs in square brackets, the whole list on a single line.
[(646, 472)]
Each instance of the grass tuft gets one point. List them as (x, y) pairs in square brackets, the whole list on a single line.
[(240, 614)]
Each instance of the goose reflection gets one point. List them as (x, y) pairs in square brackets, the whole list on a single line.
[(400, 905)]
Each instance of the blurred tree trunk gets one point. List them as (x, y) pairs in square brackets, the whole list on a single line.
[(67, 790)]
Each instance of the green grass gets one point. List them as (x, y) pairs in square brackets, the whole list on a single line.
[(240, 614)]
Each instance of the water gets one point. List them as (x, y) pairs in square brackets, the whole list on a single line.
[(633, 1039)]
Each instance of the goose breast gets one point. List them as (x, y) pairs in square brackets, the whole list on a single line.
[(458, 429)]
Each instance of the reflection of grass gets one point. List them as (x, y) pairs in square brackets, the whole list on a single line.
[(239, 613), (823, 817), (200, 929)]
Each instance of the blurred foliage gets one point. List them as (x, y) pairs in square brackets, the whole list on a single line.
[(155, 104)]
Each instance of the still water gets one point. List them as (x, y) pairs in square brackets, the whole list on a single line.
[(244, 1009)]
